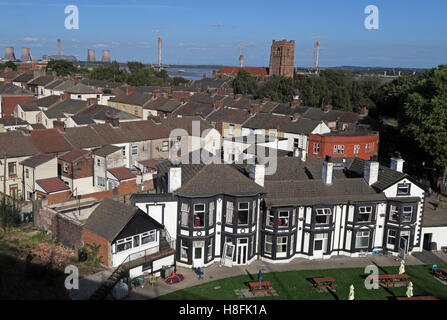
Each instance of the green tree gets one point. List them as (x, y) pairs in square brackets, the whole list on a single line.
[(390, 97), (423, 119), (11, 65), (244, 83), (62, 67), (277, 88)]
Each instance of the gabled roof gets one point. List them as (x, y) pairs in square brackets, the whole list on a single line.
[(42, 80), (16, 144), (53, 84), (67, 106), (214, 179), (25, 77), (268, 121), (163, 104), (106, 150), (44, 102), (64, 85), (194, 109), (80, 88), (135, 98), (75, 155), (13, 122), (52, 185), (100, 113), (36, 160), (185, 123), (302, 126), (7, 88), (109, 218), (50, 141), (228, 115)]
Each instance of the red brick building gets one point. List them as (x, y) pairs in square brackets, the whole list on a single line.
[(360, 144)]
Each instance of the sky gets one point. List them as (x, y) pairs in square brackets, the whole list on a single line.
[(411, 33)]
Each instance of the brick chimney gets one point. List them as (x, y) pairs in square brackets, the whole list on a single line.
[(296, 116), (92, 101), (65, 96), (254, 109), (113, 120), (218, 104), (59, 125), (130, 90), (327, 108)]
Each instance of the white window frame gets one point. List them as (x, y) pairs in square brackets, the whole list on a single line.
[(197, 212), (270, 217), (165, 146), (184, 250), (405, 213), (230, 212), (211, 214), (323, 212), (134, 150), (268, 243), (284, 214), (396, 211), (316, 148), (360, 234), (281, 244), (389, 236), (366, 210), (124, 241), (247, 211), (150, 235)]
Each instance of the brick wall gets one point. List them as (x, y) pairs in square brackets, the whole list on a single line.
[(129, 186), (105, 249), (55, 197), (82, 169)]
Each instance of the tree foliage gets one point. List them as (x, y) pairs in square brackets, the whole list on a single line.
[(244, 83), (9, 64), (62, 67), (111, 72), (277, 88)]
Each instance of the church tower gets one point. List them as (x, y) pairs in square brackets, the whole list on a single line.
[(282, 58)]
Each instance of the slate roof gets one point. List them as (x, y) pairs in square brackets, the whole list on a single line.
[(68, 106), (13, 122), (135, 98), (217, 179), (24, 77), (185, 123), (106, 150), (52, 185), (302, 126), (16, 144), (310, 192), (36, 160), (80, 88), (10, 89), (100, 112), (109, 218), (64, 85), (53, 84), (267, 121), (229, 115), (163, 104), (194, 109), (44, 102), (42, 80), (287, 109)]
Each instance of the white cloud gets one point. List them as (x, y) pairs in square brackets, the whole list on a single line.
[(217, 25), (30, 39)]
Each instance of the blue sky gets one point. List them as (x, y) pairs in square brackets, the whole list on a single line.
[(411, 33)]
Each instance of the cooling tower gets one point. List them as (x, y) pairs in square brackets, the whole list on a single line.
[(26, 55), (105, 56), (9, 54), (91, 55), (59, 48)]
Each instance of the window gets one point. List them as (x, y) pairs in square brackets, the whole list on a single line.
[(340, 149), (365, 214), (268, 244), (230, 212), (293, 217), (124, 244), (199, 215), (136, 111), (356, 149), (270, 219), (316, 148), (322, 216), (124, 151), (136, 241), (211, 214), (98, 162), (394, 213), (242, 213), (292, 240), (184, 244), (12, 169), (283, 219), (231, 129), (362, 239), (165, 146), (296, 143), (407, 213), (253, 213), (148, 237), (65, 167), (391, 237), (134, 150), (185, 214), (281, 243), (209, 253), (124, 108), (98, 96), (403, 189), (79, 96), (101, 181), (27, 173)]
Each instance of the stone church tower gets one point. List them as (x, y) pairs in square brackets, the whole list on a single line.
[(282, 58)]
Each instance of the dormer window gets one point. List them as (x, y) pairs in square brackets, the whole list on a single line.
[(403, 189)]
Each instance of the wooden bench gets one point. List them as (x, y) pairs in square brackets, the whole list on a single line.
[(323, 283), (260, 286), (392, 280), (441, 274)]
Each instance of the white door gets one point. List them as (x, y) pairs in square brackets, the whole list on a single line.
[(242, 251), (197, 254), (403, 243), (228, 253), (320, 245)]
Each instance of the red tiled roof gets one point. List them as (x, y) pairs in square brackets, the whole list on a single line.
[(122, 173), (50, 141), (74, 155), (52, 185), (258, 71)]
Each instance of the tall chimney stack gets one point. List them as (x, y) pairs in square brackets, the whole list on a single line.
[(9, 54), (328, 167), (371, 171), (59, 48), (91, 55), (105, 56), (26, 55)]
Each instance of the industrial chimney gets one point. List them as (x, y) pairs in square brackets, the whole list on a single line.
[(105, 56), (91, 55), (59, 48), (26, 55), (9, 54)]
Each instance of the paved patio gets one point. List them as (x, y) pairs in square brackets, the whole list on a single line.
[(214, 272)]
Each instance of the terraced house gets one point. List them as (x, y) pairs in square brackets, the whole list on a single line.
[(318, 208)]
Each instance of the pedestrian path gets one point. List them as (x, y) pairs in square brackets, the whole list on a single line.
[(214, 272)]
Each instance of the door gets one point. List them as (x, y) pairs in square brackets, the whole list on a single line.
[(242, 251), (14, 191), (403, 246), (320, 245), (227, 257), (197, 259), (427, 241)]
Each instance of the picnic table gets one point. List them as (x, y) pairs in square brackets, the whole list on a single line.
[(260, 286), (322, 283), (393, 280), (440, 273)]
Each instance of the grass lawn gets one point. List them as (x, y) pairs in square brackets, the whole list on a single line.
[(293, 285)]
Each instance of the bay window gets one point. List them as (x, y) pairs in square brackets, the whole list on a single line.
[(365, 214), (199, 215), (242, 213), (268, 244), (322, 216), (394, 213), (362, 239), (185, 214), (283, 219), (407, 213), (281, 244)]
